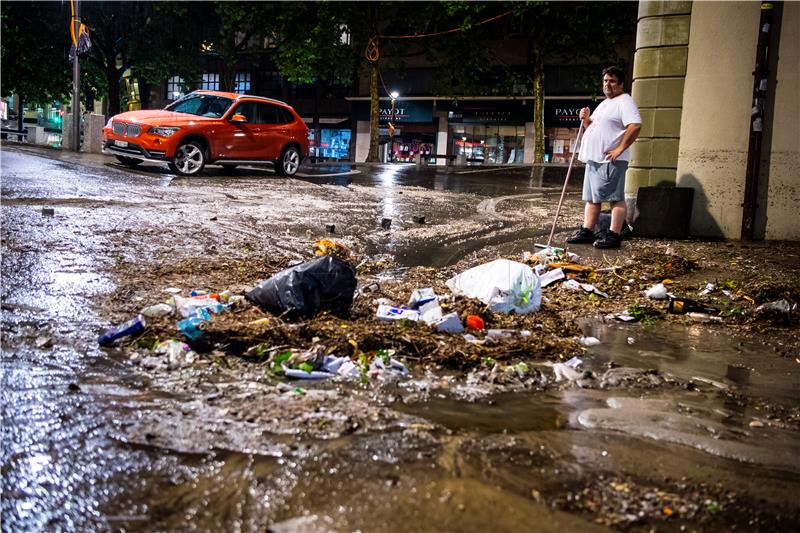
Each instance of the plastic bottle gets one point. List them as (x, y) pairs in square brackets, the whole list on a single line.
[(192, 327), (681, 306), (187, 307), (131, 327)]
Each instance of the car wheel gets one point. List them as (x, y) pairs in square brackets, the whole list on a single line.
[(190, 158), (289, 162), (128, 161)]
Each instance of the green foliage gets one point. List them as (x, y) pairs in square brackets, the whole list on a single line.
[(282, 357), (306, 367), (313, 41), (642, 313), (35, 42), (144, 35), (735, 311)]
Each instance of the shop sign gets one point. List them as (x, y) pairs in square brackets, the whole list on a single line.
[(404, 111), (564, 113), (491, 113)]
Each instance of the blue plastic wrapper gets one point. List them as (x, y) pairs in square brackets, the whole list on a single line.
[(131, 327)]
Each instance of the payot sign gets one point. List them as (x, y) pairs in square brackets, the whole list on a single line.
[(408, 111), (564, 113)]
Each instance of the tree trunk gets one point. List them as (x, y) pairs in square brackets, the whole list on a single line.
[(538, 111), (537, 171), (20, 117), (112, 78), (317, 102), (374, 110)]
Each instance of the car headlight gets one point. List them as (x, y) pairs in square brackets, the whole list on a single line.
[(164, 131)]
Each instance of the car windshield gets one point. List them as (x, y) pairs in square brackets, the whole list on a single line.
[(202, 105)]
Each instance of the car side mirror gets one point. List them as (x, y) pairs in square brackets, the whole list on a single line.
[(239, 118)]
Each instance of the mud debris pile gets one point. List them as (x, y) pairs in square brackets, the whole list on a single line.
[(580, 287)]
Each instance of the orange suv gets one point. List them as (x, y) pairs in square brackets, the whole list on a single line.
[(210, 127)]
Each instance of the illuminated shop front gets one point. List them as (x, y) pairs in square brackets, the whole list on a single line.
[(489, 132), (488, 144), (414, 132), (334, 142)]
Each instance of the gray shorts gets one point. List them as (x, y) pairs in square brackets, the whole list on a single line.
[(604, 182)]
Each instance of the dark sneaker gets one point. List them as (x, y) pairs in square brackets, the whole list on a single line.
[(608, 240), (582, 236), (627, 231)]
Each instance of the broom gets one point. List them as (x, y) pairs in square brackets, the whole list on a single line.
[(561, 200)]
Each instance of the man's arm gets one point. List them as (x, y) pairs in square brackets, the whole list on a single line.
[(631, 133)]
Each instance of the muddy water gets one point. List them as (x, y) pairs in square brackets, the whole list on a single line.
[(92, 442)]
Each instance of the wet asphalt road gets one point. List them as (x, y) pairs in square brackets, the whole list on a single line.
[(62, 215), (67, 219)]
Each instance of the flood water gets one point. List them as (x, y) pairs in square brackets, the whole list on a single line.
[(535, 460)]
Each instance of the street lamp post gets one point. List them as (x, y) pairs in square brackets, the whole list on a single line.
[(392, 128)]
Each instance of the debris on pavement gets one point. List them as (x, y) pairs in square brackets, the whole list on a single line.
[(326, 283), (503, 285), (326, 247), (779, 306), (657, 292), (131, 327), (552, 276), (388, 312)]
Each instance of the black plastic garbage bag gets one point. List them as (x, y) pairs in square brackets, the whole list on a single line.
[(325, 283)]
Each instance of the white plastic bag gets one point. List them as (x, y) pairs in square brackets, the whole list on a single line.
[(503, 285)]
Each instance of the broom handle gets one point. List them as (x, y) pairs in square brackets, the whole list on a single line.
[(564, 189)]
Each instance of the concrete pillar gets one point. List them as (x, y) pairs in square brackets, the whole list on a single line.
[(362, 141), (716, 114), (783, 183), (66, 133), (93, 133), (442, 138), (659, 70), (530, 143)]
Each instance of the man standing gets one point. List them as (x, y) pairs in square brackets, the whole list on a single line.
[(609, 132)]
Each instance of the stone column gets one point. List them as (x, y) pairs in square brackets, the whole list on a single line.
[(362, 141), (442, 138), (93, 133), (659, 69)]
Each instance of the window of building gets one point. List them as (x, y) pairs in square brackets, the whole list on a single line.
[(344, 35), (241, 85), (270, 84), (175, 88), (334, 143), (488, 143), (210, 82)]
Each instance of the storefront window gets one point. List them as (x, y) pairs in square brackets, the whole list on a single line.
[(333, 143), (405, 147), (488, 144)]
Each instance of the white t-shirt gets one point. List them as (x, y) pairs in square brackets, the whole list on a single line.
[(608, 125)]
